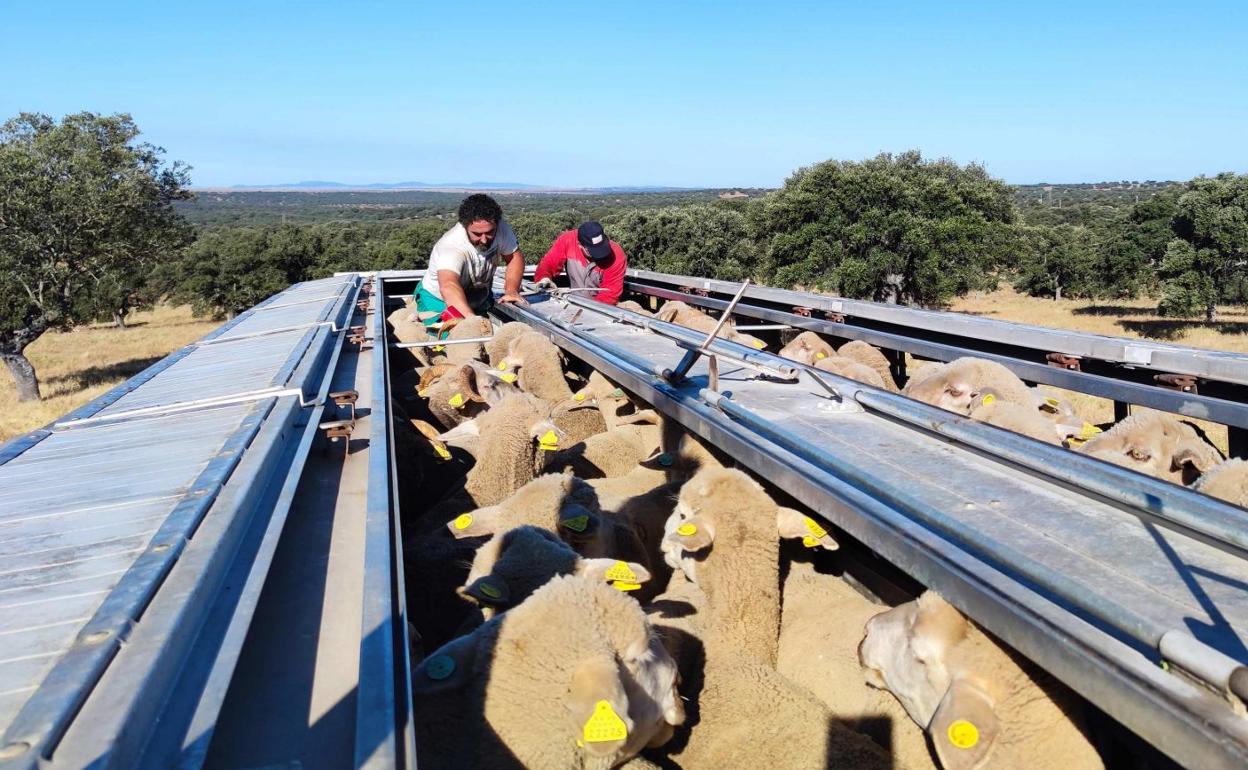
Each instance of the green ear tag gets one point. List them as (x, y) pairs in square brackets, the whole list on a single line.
[(439, 667), (666, 460), (617, 393), (576, 523)]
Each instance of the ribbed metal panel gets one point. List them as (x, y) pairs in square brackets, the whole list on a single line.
[(75, 512)]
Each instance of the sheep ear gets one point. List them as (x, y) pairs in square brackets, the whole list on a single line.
[(1194, 457), (964, 727), (466, 429), (577, 523), (694, 534), (659, 461), (448, 668), (791, 524), (599, 707), (624, 575), (483, 521), (489, 591)]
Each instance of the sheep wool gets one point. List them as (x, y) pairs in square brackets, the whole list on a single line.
[(807, 348), (467, 352), (574, 677), (538, 364), (1228, 480), (507, 455), (1019, 418), (868, 355), (1155, 444), (954, 385), (612, 453), (850, 369)]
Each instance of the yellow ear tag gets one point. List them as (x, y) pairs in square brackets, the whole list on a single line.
[(576, 523), (502, 366), (423, 393), (463, 521), (759, 344), (1051, 401), (438, 348), (989, 400), (621, 571), (687, 530), (821, 355), (810, 542), (963, 734), (605, 725), (579, 397), (441, 450), (508, 377), (813, 527), (548, 441), (620, 585), (456, 400), (1088, 431)]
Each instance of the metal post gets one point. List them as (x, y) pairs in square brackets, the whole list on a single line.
[(1122, 410)]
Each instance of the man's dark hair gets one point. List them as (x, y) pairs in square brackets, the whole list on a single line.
[(479, 206)]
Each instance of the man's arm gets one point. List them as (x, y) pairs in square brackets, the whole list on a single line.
[(452, 293), (552, 264), (511, 281), (612, 285)]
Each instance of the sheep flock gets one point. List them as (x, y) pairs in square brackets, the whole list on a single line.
[(591, 587)]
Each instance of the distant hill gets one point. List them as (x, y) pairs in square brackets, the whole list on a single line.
[(314, 185)]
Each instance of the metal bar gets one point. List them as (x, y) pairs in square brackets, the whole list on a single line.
[(762, 327), (1197, 406), (186, 406), (436, 343), (261, 308), (723, 318), (252, 335)]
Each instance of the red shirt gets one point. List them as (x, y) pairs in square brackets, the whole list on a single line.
[(584, 272)]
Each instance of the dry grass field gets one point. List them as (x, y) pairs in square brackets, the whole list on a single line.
[(76, 366), (79, 365)]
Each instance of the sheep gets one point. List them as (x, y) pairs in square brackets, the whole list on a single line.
[(496, 348), (577, 420), (512, 434), (407, 327), (455, 396), (612, 453), (1154, 444), (868, 355), (822, 622), (990, 408), (572, 677), (629, 304), (728, 516), (980, 703), (677, 312), (954, 385), (1067, 424), (616, 406), (1228, 480), (807, 348), (514, 564), (538, 364), (850, 369), (466, 352)]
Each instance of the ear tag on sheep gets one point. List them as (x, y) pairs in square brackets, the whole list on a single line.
[(989, 400), (438, 348), (617, 393), (759, 344), (1050, 404), (508, 377), (439, 667), (463, 521), (502, 366), (687, 529), (821, 355), (605, 725), (441, 450), (489, 590), (456, 400), (548, 441), (620, 585), (963, 734), (576, 523), (1088, 431), (579, 397), (423, 393), (666, 460), (621, 571)]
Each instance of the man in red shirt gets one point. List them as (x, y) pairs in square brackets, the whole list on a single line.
[(593, 261)]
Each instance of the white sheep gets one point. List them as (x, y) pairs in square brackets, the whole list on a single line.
[(572, 677), (1020, 418), (538, 364), (496, 348), (981, 704), (1155, 444), (614, 452), (1228, 480), (466, 352), (807, 348), (729, 521), (677, 312), (954, 385), (513, 564), (868, 355), (851, 369), (632, 305), (823, 620), (616, 406)]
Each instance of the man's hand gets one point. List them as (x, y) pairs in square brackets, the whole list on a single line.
[(545, 284), (508, 298)]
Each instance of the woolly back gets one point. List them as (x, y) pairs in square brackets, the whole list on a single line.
[(507, 454)]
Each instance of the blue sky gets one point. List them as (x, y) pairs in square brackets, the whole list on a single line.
[(666, 93)]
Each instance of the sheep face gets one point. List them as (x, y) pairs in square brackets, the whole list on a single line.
[(807, 348), (905, 650), (1155, 445), (1227, 481), (955, 395)]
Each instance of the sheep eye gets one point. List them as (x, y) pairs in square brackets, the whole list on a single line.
[(1139, 454)]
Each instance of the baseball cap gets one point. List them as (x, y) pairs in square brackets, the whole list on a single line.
[(591, 236)]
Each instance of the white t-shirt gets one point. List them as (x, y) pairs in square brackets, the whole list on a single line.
[(455, 252)]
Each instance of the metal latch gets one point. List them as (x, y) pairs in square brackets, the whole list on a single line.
[(1184, 383), (1063, 361)]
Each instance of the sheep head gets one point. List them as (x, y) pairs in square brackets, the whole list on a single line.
[(807, 348), (1155, 445), (911, 651)]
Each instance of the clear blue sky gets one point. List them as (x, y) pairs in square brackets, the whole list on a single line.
[(669, 93)]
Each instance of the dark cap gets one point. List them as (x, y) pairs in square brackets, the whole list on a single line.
[(591, 236)]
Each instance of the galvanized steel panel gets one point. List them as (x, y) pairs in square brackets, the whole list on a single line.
[(76, 510)]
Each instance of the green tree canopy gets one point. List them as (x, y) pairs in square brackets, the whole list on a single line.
[(705, 240), (86, 211), (1056, 261), (892, 228), (1209, 254)]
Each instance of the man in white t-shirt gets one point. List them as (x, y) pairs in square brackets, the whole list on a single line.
[(460, 280)]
